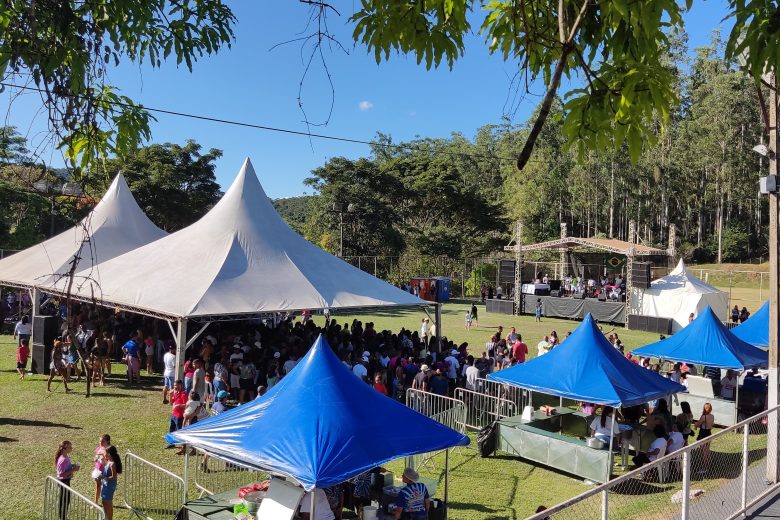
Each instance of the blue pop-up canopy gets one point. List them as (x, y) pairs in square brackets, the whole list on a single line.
[(756, 329), (706, 341), (320, 425), (586, 367)]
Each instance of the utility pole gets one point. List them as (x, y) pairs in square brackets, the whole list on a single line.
[(772, 475)]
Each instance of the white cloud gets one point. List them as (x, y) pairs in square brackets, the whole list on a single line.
[(365, 105)]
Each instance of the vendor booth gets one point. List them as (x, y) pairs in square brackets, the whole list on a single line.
[(678, 295), (707, 342), (585, 367), (756, 329), (318, 427)]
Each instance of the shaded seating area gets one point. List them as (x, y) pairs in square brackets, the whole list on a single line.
[(587, 368), (319, 427), (707, 342)]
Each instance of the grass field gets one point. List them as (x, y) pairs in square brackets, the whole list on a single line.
[(32, 424)]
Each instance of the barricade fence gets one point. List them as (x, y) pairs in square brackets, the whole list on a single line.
[(213, 475), (483, 409), (445, 410), (514, 394), (151, 491), (61, 502), (720, 477)]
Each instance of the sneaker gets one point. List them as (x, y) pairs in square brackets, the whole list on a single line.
[(165, 401)]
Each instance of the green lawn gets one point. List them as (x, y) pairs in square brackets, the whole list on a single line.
[(32, 424)]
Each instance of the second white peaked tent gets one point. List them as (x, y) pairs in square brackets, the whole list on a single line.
[(116, 225), (241, 258), (679, 294)]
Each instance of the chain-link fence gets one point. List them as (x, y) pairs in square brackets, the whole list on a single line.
[(61, 502), (151, 491), (719, 477)]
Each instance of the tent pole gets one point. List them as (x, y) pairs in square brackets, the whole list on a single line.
[(604, 497), (311, 509), (186, 472), (446, 483), (36, 310), (181, 346)]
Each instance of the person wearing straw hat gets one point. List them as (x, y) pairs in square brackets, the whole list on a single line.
[(413, 501)]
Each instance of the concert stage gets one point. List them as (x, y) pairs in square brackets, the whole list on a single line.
[(576, 308)]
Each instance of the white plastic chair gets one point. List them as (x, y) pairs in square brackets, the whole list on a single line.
[(663, 468)]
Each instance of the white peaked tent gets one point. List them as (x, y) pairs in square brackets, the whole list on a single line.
[(240, 259), (679, 294), (115, 226)]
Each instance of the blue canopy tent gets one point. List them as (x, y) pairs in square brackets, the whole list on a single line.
[(320, 425), (586, 367), (706, 341), (756, 329)]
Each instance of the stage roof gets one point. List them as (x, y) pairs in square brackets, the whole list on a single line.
[(601, 244)]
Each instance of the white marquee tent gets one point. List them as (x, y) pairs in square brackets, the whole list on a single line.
[(115, 226), (677, 295), (239, 260)]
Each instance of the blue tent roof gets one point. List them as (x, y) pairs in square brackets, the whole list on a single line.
[(320, 425), (588, 368), (706, 341), (756, 329)]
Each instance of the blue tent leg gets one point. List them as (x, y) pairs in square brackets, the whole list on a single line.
[(446, 483)]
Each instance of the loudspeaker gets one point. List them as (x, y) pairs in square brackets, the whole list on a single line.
[(640, 275), (555, 294), (555, 285), (506, 271), (650, 324), (44, 330), (41, 357)]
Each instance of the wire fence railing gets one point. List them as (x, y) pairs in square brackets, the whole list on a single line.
[(61, 502), (150, 491), (483, 409), (719, 477), (213, 475)]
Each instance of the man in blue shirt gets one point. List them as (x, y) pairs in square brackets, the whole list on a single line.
[(413, 501)]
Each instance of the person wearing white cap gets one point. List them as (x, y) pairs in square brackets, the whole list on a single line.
[(413, 502), (361, 368)]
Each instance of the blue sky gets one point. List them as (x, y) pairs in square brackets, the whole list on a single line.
[(252, 83)]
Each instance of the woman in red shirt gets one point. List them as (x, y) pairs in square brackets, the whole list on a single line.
[(379, 386), (22, 353)]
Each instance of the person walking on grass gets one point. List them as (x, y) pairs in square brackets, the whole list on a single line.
[(22, 354), (474, 315), (57, 367), (65, 470)]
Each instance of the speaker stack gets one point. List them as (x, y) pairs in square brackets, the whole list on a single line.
[(640, 275), (506, 271), (44, 332), (555, 294)]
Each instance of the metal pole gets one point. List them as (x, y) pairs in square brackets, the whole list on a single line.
[(341, 234), (686, 484), (774, 290), (313, 507), (438, 327), (745, 446), (51, 218), (605, 493), (181, 346), (446, 483), (186, 473), (36, 310)]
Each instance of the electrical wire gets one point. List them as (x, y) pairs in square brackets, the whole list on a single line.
[(257, 126)]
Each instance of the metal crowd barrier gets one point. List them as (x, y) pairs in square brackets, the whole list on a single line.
[(516, 395), (213, 475), (483, 409), (151, 492), (445, 410), (60, 502)]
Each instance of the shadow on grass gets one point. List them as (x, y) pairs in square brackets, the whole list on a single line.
[(460, 506), (42, 424), (121, 396), (637, 487), (8, 439)]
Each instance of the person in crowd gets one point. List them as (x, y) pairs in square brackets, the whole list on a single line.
[(704, 424), (425, 329), (728, 385), (471, 374), (290, 364), (360, 369), (131, 350), (676, 439), (661, 415), (452, 368), (691, 317), (219, 403), (519, 351), (379, 385), (23, 330), (399, 383), (602, 428), (420, 381), (553, 339), (468, 320), (109, 347), (57, 366), (657, 447), (511, 337), (735, 315), (108, 478), (97, 471), (22, 354), (490, 346), (438, 384), (169, 372), (246, 381), (474, 315), (178, 400), (149, 354), (413, 502), (65, 469), (538, 310), (684, 420), (543, 347), (743, 315)]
